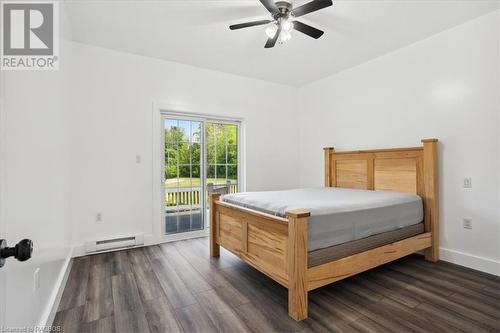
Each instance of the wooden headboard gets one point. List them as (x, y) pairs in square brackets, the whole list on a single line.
[(410, 170)]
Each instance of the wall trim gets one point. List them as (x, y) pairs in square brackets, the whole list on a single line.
[(149, 240), (3, 281), (471, 261), (49, 314)]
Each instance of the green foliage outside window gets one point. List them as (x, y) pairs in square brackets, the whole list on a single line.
[(183, 151)]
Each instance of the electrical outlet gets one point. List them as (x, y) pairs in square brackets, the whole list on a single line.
[(36, 279), (467, 223), (98, 217), (467, 182), (138, 159)]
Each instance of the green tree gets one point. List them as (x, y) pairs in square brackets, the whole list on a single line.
[(176, 151), (182, 158), (221, 151)]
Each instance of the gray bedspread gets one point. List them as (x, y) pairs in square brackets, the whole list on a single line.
[(338, 215)]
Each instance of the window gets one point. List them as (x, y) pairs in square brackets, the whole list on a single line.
[(200, 157), (222, 155)]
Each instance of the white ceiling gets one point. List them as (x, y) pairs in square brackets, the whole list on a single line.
[(196, 32)]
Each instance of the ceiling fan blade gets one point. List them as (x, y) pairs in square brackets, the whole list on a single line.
[(307, 29), (311, 7), (272, 41), (248, 24), (270, 6)]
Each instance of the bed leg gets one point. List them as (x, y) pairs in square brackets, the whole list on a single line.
[(297, 304), (214, 247), (297, 264), (431, 196)]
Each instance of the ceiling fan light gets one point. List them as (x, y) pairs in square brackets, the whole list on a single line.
[(287, 25), (285, 36), (271, 30)]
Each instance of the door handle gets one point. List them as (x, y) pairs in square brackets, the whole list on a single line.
[(21, 251)]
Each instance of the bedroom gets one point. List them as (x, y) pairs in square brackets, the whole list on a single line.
[(85, 160)]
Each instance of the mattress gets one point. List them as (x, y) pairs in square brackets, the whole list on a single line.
[(338, 215)]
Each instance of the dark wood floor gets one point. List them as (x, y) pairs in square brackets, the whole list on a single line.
[(176, 287)]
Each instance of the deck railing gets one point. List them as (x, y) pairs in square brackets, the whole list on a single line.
[(190, 196)]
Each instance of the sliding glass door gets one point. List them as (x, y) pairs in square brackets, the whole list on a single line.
[(222, 157), (183, 176), (201, 157)]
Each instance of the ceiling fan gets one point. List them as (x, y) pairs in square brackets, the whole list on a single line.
[(284, 22)]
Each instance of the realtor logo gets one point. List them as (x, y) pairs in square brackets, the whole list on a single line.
[(29, 36)]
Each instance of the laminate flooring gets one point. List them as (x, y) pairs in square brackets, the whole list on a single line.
[(177, 287)]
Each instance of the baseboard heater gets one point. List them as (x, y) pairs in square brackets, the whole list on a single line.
[(114, 243)]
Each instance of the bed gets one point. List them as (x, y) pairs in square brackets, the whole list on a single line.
[(377, 206)]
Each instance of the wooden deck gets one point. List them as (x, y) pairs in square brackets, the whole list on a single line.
[(176, 287)]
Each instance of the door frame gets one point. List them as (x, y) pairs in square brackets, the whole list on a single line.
[(3, 275), (160, 112)]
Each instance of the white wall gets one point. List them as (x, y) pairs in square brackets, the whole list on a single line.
[(35, 188), (112, 97), (446, 87)]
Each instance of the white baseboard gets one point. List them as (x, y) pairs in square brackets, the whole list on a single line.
[(456, 257), (49, 314), (79, 250), (471, 261)]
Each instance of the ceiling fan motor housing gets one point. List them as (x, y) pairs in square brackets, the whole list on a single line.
[(284, 6)]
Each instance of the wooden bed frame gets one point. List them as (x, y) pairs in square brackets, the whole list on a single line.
[(277, 246)]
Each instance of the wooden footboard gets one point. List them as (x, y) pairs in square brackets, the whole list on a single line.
[(274, 245), (277, 246)]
